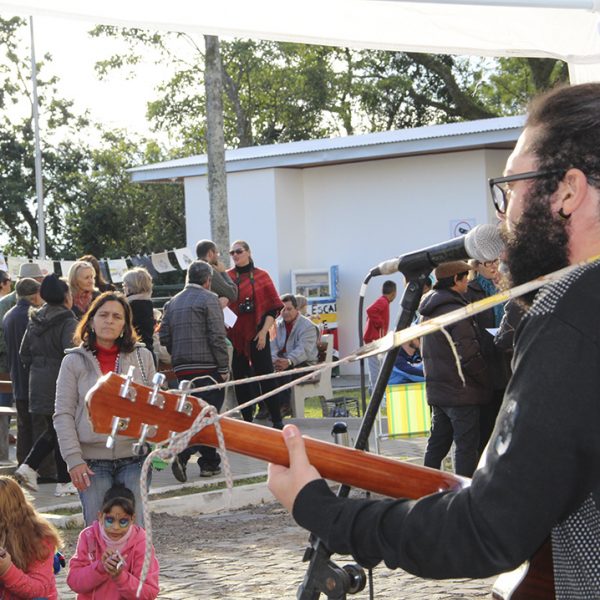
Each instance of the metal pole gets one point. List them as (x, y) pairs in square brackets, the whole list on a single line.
[(39, 190), (570, 4)]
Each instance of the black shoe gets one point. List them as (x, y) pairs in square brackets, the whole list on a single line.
[(278, 425), (210, 471), (178, 469)]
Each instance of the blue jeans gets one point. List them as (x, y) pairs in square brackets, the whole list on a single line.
[(126, 471)]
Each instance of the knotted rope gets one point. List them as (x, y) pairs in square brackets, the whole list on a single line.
[(178, 443)]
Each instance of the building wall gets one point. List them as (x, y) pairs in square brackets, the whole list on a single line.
[(353, 215), (252, 215)]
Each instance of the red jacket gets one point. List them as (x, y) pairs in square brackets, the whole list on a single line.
[(37, 582), (88, 578), (378, 319)]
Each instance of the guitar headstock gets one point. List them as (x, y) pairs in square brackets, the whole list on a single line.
[(119, 406)]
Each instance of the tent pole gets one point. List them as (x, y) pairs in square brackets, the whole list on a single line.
[(578, 4), (38, 155)]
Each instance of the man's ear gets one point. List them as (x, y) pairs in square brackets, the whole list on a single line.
[(572, 191)]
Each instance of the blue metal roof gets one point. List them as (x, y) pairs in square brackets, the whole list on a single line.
[(501, 131)]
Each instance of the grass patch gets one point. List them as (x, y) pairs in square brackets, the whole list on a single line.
[(312, 406), (65, 511), (209, 487), (184, 491)]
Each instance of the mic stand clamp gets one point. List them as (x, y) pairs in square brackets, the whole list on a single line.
[(325, 577)]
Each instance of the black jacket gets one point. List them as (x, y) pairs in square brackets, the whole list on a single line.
[(143, 321), (497, 361), (14, 324), (49, 333), (443, 383)]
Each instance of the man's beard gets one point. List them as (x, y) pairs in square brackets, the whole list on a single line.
[(538, 244)]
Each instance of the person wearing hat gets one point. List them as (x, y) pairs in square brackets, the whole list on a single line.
[(14, 325), (456, 378), (48, 334)]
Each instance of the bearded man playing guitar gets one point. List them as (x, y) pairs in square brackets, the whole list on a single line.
[(541, 475)]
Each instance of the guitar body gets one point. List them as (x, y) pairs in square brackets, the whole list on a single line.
[(356, 468), (533, 580)]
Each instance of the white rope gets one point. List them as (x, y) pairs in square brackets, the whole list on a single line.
[(455, 355), (178, 443)]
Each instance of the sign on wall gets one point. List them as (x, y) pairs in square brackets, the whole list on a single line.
[(460, 227)]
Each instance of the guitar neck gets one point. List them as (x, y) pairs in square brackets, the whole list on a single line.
[(352, 467)]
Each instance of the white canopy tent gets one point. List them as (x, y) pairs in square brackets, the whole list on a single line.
[(562, 29)]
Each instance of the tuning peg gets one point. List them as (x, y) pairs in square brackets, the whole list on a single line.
[(147, 431), (126, 390), (118, 424), (183, 404), (155, 398)]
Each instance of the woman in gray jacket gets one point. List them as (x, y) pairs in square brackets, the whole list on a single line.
[(107, 342)]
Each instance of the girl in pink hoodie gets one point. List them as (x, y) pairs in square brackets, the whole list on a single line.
[(27, 546), (108, 561)]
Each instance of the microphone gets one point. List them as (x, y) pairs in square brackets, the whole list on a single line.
[(483, 243)]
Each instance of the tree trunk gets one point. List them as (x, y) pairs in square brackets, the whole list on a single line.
[(215, 145)]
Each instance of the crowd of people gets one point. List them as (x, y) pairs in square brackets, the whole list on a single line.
[(548, 204), (60, 335)]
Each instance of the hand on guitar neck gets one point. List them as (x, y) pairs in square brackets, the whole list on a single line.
[(286, 482)]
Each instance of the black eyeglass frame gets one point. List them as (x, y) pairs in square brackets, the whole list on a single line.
[(495, 183)]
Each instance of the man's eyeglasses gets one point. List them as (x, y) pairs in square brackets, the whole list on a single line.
[(500, 190), (236, 251)]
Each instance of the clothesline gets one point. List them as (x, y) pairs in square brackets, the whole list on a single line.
[(112, 268)]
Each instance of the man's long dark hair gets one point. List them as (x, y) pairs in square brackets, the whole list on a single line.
[(567, 123)]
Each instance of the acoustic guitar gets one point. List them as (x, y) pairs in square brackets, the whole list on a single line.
[(119, 406)]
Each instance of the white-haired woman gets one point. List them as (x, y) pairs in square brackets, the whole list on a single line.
[(82, 282), (137, 287)]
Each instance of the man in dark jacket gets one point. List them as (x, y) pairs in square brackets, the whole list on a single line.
[(14, 325), (221, 283), (456, 378), (193, 331), (481, 286)]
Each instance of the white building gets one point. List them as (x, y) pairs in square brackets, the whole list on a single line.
[(351, 201)]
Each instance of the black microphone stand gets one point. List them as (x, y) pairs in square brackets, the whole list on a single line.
[(323, 576)]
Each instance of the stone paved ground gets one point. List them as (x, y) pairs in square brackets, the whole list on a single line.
[(256, 554)]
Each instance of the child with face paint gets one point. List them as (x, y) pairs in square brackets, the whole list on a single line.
[(108, 561)]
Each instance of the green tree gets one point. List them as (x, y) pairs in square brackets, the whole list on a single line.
[(91, 206), (63, 157), (118, 217), (280, 92)]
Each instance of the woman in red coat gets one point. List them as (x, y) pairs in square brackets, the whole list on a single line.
[(256, 307)]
